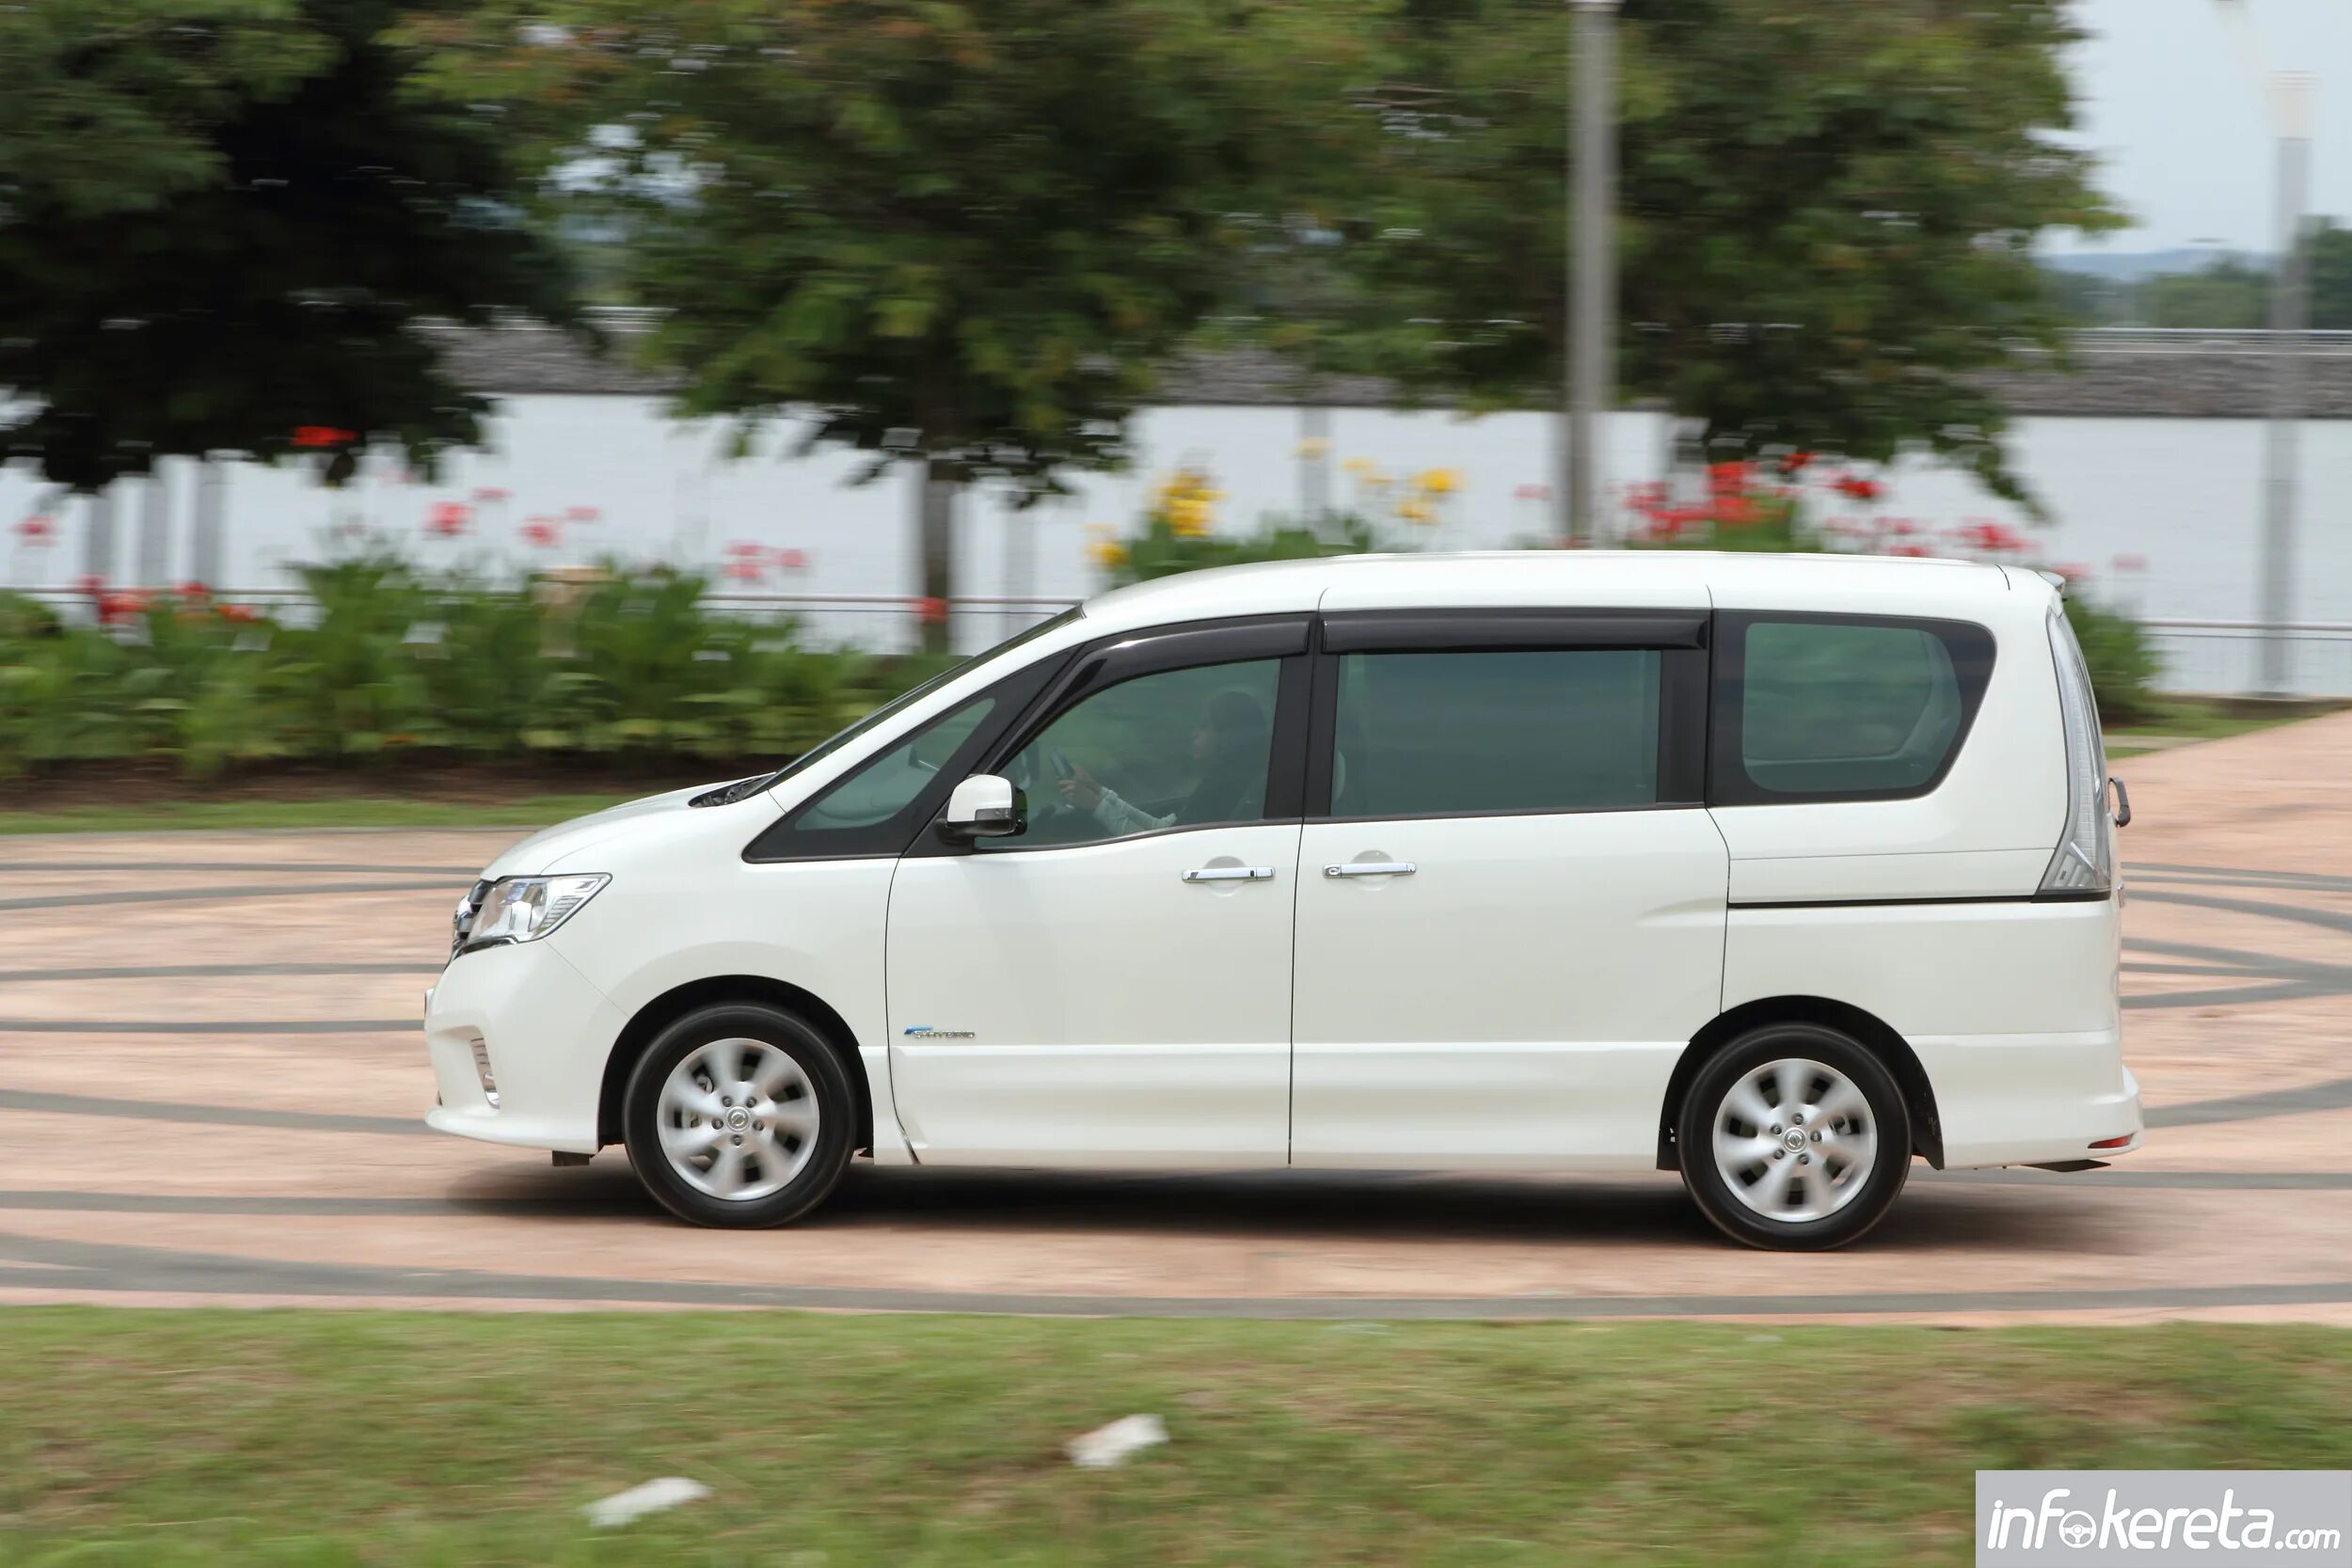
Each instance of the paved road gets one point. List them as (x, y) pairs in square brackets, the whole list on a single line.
[(210, 1078)]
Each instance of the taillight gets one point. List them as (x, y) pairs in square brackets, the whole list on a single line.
[(2084, 865)]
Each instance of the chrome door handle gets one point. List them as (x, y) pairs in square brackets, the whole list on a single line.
[(1372, 868), (1232, 874)]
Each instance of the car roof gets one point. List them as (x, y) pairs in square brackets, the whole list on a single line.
[(1534, 578)]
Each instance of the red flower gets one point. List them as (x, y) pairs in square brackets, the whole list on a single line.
[(542, 532), (2072, 571), (1726, 478), (1533, 493), (90, 583), (118, 608), (1917, 552), (1855, 487), (580, 514), (745, 570), (932, 610), (323, 435), (240, 614), (37, 528), (1794, 463), (2131, 562), (490, 495), (791, 560), (448, 519), (1991, 537)]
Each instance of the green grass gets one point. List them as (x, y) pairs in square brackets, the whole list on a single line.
[(303, 1438), (347, 811)]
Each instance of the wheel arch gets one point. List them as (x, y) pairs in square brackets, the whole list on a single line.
[(672, 1004), (1873, 1033)]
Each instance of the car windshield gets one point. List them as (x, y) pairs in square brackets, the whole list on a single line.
[(897, 704)]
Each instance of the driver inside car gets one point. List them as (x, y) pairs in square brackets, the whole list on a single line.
[(1229, 745)]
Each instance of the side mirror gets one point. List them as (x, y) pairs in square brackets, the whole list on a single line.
[(984, 806)]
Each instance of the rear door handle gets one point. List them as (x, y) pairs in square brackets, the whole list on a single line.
[(1232, 874), (1372, 868)]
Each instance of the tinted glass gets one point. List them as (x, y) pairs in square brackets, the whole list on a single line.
[(1182, 748), (1834, 707), (908, 699), (877, 792), (1431, 733)]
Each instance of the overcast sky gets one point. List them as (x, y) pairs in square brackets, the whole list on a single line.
[(2183, 138)]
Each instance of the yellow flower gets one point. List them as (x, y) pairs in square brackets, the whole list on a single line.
[(1108, 554), (1313, 447), (1189, 517), (1415, 511), (1441, 482), (1359, 468)]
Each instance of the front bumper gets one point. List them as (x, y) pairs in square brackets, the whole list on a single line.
[(548, 1031)]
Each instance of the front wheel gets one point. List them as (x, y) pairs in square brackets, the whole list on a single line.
[(738, 1115), (1794, 1138)]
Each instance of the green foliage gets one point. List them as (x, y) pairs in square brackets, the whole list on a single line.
[(964, 236), (2228, 293), (2123, 665), (1829, 212), (220, 221), (958, 232), (1161, 550), (394, 663)]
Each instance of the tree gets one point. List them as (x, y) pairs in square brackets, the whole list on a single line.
[(220, 221), (2331, 276), (2227, 295), (960, 236), (1829, 214)]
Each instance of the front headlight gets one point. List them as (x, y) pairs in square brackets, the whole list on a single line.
[(524, 908)]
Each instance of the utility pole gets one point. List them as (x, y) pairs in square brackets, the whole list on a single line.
[(1591, 262), (2292, 96)]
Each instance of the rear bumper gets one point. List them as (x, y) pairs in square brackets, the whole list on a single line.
[(546, 1031), (2032, 1100)]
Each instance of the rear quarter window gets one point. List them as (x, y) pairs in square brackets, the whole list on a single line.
[(1840, 707)]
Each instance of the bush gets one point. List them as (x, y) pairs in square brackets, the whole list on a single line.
[(387, 661), (2124, 668)]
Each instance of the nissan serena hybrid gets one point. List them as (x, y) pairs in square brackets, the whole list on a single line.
[(1778, 871)]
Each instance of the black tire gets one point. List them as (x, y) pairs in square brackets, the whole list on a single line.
[(1740, 1217), (827, 1085)]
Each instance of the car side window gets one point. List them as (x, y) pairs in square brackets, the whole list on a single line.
[(1174, 749), (1827, 707), (1440, 734)]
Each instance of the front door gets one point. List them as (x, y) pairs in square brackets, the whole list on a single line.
[(1112, 986), (1511, 917)]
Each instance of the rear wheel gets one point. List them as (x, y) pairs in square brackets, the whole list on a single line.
[(738, 1115), (1794, 1137)]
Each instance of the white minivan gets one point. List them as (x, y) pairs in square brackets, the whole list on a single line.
[(1778, 871)]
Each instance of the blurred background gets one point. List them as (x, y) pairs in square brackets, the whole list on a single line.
[(334, 335)]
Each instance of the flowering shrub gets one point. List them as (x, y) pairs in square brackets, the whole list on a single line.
[(1750, 506), (1178, 528), (393, 661)]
